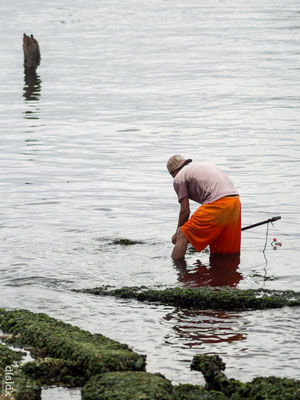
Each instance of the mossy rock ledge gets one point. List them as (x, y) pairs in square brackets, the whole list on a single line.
[(66, 353), (225, 298), (146, 386), (260, 388), (143, 386), (128, 386)]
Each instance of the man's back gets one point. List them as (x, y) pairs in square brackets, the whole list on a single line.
[(203, 183)]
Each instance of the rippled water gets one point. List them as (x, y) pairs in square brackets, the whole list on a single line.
[(121, 87)]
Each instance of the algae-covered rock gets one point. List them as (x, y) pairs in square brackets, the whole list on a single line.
[(52, 371), (14, 384), (193, 392), (111, 370), (8, 356), (93, 354), (143, 386), (126, 242), (27, 388), (212, 367), (260, 388), (128, 386), (268, 388), (225, 298)]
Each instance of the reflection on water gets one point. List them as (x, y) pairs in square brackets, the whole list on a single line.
[(221, 271), (32, 86), (195, 327), (201, 328), (31, 93)]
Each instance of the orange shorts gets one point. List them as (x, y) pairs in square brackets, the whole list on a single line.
[(217, 224)]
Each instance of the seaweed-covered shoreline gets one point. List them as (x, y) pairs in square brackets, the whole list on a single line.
[(66, 355)]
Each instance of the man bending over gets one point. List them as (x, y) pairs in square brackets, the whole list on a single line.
[(217, 222)]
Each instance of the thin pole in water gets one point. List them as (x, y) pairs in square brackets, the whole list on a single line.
[(273, 219)]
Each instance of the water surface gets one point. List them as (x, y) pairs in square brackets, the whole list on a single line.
[(121, 87)]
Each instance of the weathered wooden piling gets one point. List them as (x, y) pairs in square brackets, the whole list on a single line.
[(32, 55)]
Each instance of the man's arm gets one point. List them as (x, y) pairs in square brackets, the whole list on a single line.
[(184, 215)]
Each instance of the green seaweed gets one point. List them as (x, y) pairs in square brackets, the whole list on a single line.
[(93, 354), (260, 388), (27, 388), (8, 356), (194, 392), (128, 386), (225, 298), (212, 368), (268, 388), (109, 370), (142, 385), (53, 371), (14, 383)]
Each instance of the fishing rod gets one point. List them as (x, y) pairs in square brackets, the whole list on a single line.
[(273, 219)]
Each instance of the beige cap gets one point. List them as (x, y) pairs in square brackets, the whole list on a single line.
[(176, 162)]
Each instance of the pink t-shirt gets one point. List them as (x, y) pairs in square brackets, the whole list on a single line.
[(203, 183)]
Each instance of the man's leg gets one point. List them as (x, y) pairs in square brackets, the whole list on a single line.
[(229, 240), (180, 246)]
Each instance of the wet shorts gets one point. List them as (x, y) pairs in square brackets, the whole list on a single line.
[(217, 224)]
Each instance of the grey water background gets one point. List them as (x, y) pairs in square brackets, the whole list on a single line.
[(122, 86)]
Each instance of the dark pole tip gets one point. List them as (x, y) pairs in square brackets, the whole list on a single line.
[(275, 218)]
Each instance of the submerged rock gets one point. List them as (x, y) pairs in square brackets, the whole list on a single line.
[(126, 242), (224, 298)]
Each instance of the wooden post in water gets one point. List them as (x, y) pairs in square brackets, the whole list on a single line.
[(32, 55)]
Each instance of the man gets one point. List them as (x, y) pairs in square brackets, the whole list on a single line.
[(217, 222)]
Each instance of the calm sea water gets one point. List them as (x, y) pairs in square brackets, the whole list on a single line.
[(122, 86)]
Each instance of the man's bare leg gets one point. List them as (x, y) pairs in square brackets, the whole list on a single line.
[(180, 246)]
